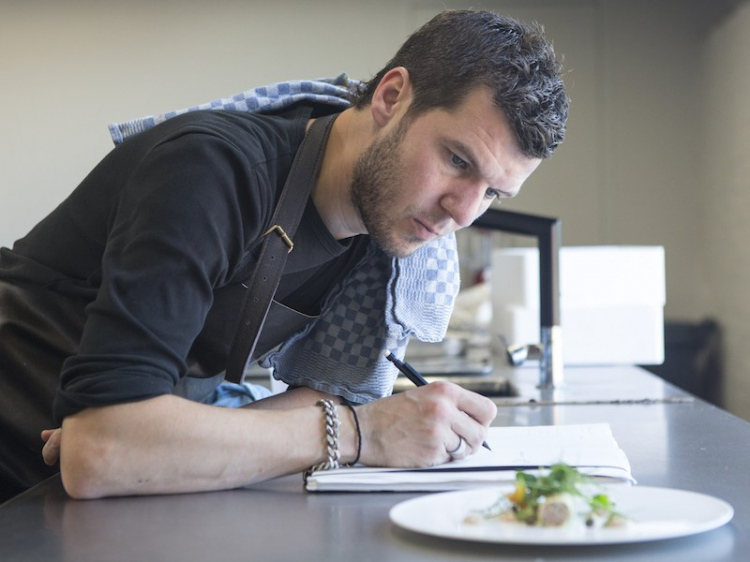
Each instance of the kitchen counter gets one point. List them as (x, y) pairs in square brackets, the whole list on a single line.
[(671, 439)]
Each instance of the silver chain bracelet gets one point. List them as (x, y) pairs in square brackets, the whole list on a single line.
[(333, 434)]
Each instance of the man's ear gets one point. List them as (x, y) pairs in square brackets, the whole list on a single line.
[(392, 97)]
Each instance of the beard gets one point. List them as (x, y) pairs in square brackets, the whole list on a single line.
[(375, 189)]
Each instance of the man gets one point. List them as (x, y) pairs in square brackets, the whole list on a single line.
[(129, 290)]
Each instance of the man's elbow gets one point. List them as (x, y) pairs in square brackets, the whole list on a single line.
[(84, 464)]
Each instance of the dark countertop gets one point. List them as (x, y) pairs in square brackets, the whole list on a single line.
[(670, 439)]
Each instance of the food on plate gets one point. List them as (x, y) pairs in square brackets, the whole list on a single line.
[(555, 499)]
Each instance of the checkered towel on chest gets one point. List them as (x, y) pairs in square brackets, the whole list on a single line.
[(381, 304)]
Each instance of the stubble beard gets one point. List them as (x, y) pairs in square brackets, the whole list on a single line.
[(375, 188)]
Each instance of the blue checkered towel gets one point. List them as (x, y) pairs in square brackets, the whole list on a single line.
[(377, 307), (266, 99)]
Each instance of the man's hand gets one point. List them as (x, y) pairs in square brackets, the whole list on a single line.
[(419, 427), (51, 450)]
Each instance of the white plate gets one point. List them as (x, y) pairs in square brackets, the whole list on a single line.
[(655, 513)]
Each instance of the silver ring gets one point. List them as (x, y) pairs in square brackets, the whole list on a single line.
[(460, 451)]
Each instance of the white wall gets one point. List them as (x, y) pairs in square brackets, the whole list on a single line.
[(69, 68), (629, 173)]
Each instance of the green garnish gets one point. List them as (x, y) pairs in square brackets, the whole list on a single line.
[(533, 491), (555, 498)]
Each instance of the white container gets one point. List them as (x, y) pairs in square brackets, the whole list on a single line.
[(612, 302)]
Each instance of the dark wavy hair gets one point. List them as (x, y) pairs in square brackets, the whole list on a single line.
[(459, 50)]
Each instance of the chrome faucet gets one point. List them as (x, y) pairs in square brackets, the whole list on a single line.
[(547, 231)]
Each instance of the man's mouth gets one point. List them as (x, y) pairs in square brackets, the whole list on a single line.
[(426, 231)]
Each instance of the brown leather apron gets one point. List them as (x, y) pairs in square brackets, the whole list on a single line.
[(280, 323), (39, 328)]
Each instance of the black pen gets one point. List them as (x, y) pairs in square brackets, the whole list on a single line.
[(414, 376)]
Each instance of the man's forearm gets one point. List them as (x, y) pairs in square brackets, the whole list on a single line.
[(171, 445)]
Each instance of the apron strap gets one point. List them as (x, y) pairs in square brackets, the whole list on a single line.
[(276, 246)]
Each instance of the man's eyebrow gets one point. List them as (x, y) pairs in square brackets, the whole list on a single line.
[(468, 156)]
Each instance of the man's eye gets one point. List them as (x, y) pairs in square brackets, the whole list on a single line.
[(492, 193), (457, 161)]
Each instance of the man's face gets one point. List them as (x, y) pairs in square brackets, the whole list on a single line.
[(436, 173)]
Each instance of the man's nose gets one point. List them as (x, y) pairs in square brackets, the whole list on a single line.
[(462, 201)]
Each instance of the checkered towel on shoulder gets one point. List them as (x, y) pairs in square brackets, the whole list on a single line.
[(377, 307), (335, 92)]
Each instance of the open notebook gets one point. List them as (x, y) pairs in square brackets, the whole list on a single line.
[(590, 447)]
